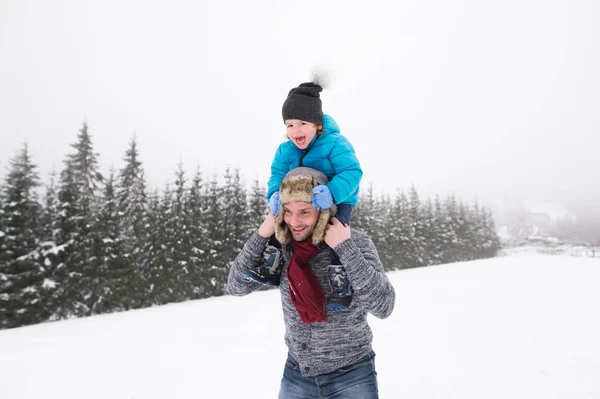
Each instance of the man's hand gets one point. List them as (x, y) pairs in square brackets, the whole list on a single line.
[(336, 233), (267, 228)]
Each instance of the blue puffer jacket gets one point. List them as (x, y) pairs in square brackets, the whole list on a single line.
[(331, 153)]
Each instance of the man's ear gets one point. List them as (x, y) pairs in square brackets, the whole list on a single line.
[(282, 231)]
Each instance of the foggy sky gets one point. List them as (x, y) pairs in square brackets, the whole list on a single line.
[(492, 100)]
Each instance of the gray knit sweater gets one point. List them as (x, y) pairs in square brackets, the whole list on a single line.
[(322, 348)]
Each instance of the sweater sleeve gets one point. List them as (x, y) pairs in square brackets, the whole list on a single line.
[(279, 169), (347, 171), (359, 257), (250, 256)]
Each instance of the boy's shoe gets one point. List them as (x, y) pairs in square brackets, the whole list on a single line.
[(341, 290), (269, 272)]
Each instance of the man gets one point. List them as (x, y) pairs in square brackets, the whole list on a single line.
[(330, 353)]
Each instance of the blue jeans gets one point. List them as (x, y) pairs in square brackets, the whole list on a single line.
[(355, 381)]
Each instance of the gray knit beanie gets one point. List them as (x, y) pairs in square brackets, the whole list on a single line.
[(304, 102)]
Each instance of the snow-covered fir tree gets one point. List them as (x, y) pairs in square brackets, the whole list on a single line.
[(452, 245), (370, 216), (21, 275), (74, 267), (86, 169), (257, 206), (235, 220), (475, 227), (466, 233), (181, 247), (70, 252), (197, 236), (398, 238), (151, 245), (429, 233), (132, 202), (163, 265), (117, 284), (490, 242), (3, 277), (437, 233), (416, 231), (216, 262), (50, 211)]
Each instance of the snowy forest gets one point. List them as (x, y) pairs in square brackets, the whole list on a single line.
[(94, 244)]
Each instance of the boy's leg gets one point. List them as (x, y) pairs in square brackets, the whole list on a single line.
[(341, 290), (269, 271), (274, 242), (344, 213)]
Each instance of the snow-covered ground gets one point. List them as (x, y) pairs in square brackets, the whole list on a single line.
[(520, 326)]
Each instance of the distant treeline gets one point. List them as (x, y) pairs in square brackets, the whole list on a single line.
[(98, 244)]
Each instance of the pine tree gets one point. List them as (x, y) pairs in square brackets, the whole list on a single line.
[(152, 245), (21, 274), (257, 207), (490, 241), (416, 233), (162, 266), (216, 266), (198, 236), (3, 259), (475, 224), (86, 170), (397, 226), (50, 211), (181, 247), (66, 265), (169, 281), (75, 273), (370, 215), (235, 220), (452, 247), (429, 235), (117, 280), (132, 202), (49, 255), (361, 214), (465, 233), (442, 231)]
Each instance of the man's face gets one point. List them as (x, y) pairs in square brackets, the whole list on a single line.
[(301, 218)]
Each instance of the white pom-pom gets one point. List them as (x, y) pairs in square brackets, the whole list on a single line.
[(321, 75)]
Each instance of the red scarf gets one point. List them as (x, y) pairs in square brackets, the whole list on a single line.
[(305, 291)]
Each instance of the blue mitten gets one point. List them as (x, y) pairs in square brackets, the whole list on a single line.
[(274, 202), (322, 198)]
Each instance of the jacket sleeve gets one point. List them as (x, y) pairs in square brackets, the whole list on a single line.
[(250, 256), (279, 169), (347, 171), (359, 257)]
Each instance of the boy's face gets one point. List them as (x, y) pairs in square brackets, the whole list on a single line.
[(301, 218), (300, 132)]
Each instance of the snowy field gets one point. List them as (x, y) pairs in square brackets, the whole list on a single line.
[(522, 326)]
